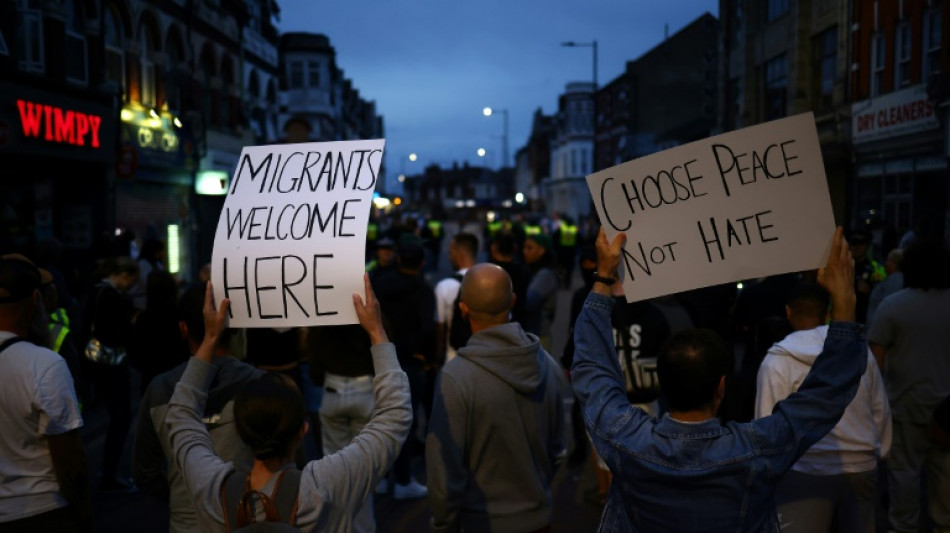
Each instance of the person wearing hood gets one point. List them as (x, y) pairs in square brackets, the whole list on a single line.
[(496, 435), (835, 482)]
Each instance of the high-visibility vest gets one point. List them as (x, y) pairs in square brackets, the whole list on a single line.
[(435, 227), (57, 334), (532, 229), (493, 228), (371, 232), (59, 316), (568, 235)]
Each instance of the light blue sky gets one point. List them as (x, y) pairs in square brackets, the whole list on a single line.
[(431, 66)]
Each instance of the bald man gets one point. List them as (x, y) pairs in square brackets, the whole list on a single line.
[(496, 435)]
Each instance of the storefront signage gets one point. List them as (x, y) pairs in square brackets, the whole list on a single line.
[(898, 113), (290, 245), (59, 125), (745, 204)]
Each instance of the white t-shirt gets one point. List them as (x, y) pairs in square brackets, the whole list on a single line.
[(445, 293), (37, 399)]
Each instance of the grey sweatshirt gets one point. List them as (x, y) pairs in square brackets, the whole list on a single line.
[(496, 435), (864, 432), (333, 488)]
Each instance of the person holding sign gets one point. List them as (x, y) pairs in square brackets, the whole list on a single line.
[(685, 471), (270, 418)]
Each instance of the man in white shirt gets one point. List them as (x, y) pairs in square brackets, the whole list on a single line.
[(42, 463), (462, 252)]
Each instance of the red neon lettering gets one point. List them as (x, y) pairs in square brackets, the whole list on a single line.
[(30, 116), (63, 126), (94, 122)]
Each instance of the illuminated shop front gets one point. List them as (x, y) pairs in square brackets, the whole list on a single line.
[(154, 177), (58, 155)]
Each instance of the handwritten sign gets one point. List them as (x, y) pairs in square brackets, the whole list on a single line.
[(744, 204), (290, 242)]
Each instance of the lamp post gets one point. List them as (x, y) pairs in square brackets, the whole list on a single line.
[(593, 98), (504, 138)]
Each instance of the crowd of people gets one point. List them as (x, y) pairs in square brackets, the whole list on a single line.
[(755, 409)]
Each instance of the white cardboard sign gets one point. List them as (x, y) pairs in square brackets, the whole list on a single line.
[(290, 244), (740, 205)]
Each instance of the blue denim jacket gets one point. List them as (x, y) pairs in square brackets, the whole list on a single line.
[(671, 476)]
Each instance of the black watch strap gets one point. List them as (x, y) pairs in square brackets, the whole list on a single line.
[(602, 279)]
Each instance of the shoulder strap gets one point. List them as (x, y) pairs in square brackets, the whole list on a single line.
[(10, 342), (238, 499)]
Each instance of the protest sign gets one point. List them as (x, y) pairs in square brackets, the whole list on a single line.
[(740, 205), (290, 244)]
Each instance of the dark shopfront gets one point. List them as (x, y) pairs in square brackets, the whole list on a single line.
[(58, 157), (901, 172)]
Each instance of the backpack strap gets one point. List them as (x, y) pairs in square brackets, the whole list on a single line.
[(10, 342), (238, 499)]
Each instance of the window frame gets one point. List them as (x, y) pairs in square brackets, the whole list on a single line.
[(31, 42), (903, 35), (878, 62), (930, 43)]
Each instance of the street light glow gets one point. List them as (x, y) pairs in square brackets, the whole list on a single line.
[(481, 152), (401, 178), (413, 156), (487, 111)]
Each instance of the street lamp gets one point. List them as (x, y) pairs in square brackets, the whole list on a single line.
[(592, 44), (504, 139)]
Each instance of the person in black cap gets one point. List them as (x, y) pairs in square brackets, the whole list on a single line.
[(42, 461), (385, 258)]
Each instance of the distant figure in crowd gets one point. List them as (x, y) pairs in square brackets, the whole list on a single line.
[(111, 320), (157, 344), (463, 248), (153, 466), (151, 258), (909, 337), (867, 272), (541, 299), (685, 471), (42, 462), (270, 418), (833, 487), (342, 361), (891, 284), (385, 258), (496, 436), (503, 252)]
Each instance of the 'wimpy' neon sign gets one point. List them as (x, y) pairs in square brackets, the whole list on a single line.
[(54, 124)]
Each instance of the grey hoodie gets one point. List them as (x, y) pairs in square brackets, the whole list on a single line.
[(864, 432), (496, 435)]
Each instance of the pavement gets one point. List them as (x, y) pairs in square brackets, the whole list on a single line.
[(574, 487)]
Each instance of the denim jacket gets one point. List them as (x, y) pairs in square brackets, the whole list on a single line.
[(673, 476)]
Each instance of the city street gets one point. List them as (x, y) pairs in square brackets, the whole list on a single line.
[(574, 487)]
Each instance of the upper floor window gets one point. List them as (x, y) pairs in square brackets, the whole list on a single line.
[(115, 55), (147, 80), (878, 54), (776, 87), (827, 62), (76, 58), (931, 43), (902, 55), (775, 9), (303, 74), (30, 40)]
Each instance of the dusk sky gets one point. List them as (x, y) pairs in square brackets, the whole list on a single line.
[(431, 67)]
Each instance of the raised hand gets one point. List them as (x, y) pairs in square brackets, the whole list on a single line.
[(371, 318), (608, 254), (215, 324), (838, 278)]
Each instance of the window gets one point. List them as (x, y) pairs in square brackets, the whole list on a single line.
[(147, 79), (878, 55), (775, 9), (574, 162), (931, 47), (738, 27), (902, 55), (776, 87), (4, 51), (30, 42), (115, 56), (76, 59), (827, 61), (296, 76), (313, 73)]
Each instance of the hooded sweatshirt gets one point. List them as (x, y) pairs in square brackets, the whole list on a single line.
[(864, 432), (496, 435)]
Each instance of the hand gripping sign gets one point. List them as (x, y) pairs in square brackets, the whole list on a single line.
[(740, 205), (290, 245)]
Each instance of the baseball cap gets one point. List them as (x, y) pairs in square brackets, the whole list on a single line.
[(19, 277)]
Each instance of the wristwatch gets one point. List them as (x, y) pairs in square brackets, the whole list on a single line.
[(602, 279)]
